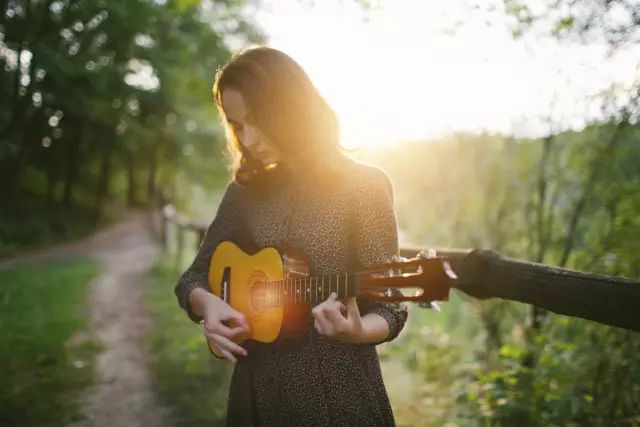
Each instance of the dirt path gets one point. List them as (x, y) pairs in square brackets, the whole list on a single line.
[(122, 394)]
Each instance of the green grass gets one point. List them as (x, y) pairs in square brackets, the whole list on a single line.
[(187, 377), (41, 370)]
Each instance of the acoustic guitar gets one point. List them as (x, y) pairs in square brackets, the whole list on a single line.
[(275, 292)]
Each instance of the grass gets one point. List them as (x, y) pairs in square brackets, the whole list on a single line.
[(186, 376), (41, 368)]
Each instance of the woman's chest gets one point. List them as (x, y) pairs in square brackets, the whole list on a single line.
[(316, 225)]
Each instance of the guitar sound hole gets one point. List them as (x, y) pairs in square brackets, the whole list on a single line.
[(260, 297)]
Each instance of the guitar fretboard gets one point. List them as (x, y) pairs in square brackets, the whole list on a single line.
[(309, 290)]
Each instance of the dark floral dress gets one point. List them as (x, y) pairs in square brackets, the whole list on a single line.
[(317, 380)]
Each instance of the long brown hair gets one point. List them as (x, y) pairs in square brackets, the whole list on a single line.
[(288, 109)]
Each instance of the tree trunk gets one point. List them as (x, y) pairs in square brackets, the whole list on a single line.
[(31, 134), (3, 10), (104, 180), (51, 178), (131, 181), (151, 178), (73, 154)]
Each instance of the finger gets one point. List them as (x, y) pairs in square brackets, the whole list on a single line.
[(332, 297), (240, 318), (228, 332), (219, 351), (335, 319), (226, 344), (337, 322), (352, 307), (227, 355), (318, 327), (211, 325), (332, 303), (325, 325), (216, 326), (213, 346), (342, 308)]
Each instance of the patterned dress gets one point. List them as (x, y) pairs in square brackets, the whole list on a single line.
[(316, 380)]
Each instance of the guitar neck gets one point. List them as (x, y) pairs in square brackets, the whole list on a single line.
[(309, 290)]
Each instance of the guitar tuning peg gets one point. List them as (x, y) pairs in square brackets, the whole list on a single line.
[(430, 304), (396, 272), (398, 258), (428, 254)]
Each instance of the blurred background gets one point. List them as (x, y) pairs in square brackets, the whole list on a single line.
[(510, 125)]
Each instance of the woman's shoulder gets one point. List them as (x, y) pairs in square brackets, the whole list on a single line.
[(362, 175), (234, 192), (235, 187)]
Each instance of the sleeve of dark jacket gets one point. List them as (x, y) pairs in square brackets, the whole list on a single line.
[(225, 226)]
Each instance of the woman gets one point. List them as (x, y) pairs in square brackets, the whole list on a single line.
[(294, 187)]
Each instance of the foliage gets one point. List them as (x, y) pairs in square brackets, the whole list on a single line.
[(614, 22), (573, 203), (103, 101), (43, 364)]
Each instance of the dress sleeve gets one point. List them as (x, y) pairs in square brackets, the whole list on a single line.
[(375, 237), (225, 226)]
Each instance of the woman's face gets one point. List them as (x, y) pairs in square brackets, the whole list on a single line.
[(248, 134)]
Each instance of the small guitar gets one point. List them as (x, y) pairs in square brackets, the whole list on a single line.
[(274, 291)]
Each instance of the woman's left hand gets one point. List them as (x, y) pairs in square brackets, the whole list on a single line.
[(339, 321)]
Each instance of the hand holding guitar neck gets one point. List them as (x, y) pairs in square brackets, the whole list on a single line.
[(337, 320)]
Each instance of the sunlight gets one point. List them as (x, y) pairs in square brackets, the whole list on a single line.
[(413, 72)]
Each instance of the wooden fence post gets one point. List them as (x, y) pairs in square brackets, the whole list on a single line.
[(201, 233)]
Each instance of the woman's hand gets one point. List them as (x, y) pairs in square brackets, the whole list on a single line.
[(339, 321), (217, 333)]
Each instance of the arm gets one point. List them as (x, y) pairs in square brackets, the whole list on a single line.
[(225, 226), (375, 240)]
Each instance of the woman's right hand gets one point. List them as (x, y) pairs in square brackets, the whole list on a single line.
[(216, 311)]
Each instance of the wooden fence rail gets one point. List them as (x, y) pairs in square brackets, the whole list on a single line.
[(486, 274), (168, 215)]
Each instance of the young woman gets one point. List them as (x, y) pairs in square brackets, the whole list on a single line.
[(294, 187)]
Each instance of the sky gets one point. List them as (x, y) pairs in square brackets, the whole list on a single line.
[(411, 70)]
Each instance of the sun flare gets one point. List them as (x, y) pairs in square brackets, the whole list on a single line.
[(404, 76)]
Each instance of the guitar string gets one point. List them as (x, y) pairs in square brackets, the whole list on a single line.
[(296, 282)]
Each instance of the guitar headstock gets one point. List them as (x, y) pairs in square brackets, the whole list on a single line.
[(424, 278)]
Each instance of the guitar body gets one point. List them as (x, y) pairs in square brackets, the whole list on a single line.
[(240, 280)]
